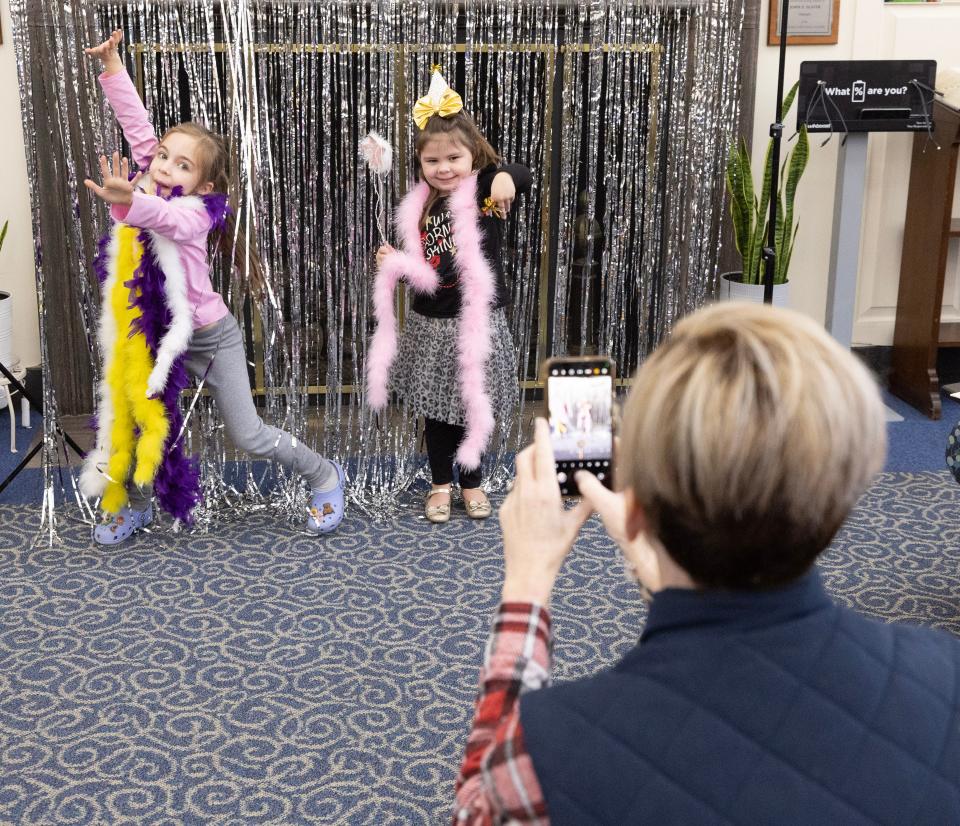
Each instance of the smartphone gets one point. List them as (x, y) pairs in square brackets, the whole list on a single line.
[(579, 397)]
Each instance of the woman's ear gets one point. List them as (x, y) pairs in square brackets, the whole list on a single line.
[(635, 518)]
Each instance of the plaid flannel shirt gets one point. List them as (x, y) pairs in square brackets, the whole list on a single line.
[(497, 782)]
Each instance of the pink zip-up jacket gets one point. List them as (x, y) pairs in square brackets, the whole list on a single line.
[(187, 227)]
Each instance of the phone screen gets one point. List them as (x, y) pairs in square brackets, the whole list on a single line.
[(580, 411)]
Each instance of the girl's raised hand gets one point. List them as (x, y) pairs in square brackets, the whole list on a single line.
[(117, 186), (503, 191), (383, 252), (107, 52)]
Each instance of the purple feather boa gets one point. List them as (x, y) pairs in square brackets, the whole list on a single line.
[(218, 208), (100, 259), (177, 483)]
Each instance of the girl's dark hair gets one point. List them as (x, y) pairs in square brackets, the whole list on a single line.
[(213, 159), (461, 128)]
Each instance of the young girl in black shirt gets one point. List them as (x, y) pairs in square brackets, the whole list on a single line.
[(455, 363)]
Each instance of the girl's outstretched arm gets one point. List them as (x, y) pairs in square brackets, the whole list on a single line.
[(521, 176), (504, 183), (124, 100), (108, 53), (179, 219)]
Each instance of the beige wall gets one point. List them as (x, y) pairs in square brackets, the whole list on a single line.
[(16, 258), (869, 30)]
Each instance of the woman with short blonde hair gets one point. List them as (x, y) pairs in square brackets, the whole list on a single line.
[(749, 429), (752, 697)]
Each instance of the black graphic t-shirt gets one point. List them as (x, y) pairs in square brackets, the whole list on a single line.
[(439, 248)]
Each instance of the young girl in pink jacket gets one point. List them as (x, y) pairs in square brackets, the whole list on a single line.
[(161, 319)]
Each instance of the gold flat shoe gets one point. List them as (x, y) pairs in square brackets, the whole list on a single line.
[(437, 513), (478, 510)]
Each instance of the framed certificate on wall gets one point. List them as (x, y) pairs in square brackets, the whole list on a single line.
[(811, 23)]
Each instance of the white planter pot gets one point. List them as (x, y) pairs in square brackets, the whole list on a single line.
[(732, 289), (6, 338), (6, 328)]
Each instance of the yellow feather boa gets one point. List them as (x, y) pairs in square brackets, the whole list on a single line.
[(127, 369)]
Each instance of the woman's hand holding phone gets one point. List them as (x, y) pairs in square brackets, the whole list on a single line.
[(538, 531)]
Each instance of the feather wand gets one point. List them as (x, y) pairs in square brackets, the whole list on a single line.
[(379, 158)]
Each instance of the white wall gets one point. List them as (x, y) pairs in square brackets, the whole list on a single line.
[(869, 30), (16, 257)]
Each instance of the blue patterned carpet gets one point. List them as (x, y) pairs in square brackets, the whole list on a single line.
[(261, 676)]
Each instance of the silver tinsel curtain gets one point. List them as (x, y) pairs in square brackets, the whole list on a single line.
[(622, 110)]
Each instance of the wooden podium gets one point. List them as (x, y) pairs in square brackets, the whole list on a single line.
[(926, 238)]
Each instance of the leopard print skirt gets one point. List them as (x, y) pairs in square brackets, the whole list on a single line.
[(426, 375)]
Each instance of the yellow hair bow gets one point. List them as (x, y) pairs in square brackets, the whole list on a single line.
[(424, 109)]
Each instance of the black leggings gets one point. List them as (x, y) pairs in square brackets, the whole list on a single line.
[(442, 442)]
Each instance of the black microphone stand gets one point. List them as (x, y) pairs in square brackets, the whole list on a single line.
[(776, 132), (35, 405)]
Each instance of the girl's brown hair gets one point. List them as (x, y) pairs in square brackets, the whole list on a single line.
[(213, 159), (461, 128)]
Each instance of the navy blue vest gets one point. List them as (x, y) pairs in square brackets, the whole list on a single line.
[(780, 707)]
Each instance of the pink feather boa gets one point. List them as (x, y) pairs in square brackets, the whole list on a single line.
[(477, 294)]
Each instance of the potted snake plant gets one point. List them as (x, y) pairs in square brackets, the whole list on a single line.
[(751, 215)]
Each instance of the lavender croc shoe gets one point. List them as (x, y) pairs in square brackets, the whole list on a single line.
[(122, 526), (327, 506)]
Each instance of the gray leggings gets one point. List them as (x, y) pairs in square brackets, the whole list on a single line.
[(229, 385)]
